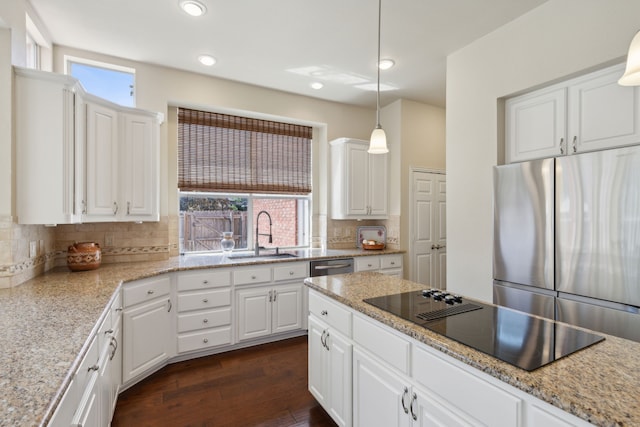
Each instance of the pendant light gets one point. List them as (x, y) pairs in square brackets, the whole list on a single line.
[(378, 142), (631, 75)]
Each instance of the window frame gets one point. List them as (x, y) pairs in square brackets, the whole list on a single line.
[(68, 60), (305, 224)]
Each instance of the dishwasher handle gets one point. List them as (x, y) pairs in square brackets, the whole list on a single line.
[(331, 267)]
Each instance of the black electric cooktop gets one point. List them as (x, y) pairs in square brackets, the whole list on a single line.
[(514, 337)]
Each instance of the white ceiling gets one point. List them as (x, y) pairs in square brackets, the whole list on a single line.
[(262, 42)]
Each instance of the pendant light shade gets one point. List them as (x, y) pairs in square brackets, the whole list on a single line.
[(631, 75), (378, 141)]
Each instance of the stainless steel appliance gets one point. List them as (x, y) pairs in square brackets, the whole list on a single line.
[(567, 230), (519, 339), (328, 267)]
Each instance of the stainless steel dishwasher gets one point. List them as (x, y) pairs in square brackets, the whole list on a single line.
[(328, 267)]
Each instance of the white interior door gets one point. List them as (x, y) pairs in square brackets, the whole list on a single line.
[(428, 230)]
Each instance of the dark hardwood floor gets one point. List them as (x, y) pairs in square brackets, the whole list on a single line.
[(264, 385)]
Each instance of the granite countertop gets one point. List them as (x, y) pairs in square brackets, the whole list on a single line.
[(600, 384), (46, 322)]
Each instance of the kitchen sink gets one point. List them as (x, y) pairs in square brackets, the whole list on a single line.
[(265, 256)]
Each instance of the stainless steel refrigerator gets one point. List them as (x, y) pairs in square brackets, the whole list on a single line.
[(567, 239)]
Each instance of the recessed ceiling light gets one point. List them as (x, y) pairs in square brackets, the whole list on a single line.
[(193, 8), (317, 85), (207, 60), (385, 64)]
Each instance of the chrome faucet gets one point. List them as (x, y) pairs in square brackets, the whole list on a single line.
[(257, 248)]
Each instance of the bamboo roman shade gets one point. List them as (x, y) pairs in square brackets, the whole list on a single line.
[(232, 154)]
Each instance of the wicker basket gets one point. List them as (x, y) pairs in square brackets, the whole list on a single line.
[(376, 247)]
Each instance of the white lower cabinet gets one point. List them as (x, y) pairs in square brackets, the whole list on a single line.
[(380, 396), (148, 337), (204, 310), (386, 264), (90, 398), (330, 370), (398, 381), (269, 310)]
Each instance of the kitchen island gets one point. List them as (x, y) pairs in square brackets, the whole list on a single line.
[(47, 321), (599, 384)]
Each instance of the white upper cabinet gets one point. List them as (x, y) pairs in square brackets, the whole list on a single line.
[(80, 158), (102, 163), (587, 113), (122, 165), (48, 148), (359, 181)]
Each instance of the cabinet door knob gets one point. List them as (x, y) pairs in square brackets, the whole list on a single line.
[(150, 292), (253, 277), (205, 321), (291, 273), (324, 312), (206, 340), (205, 300), (205, 282)]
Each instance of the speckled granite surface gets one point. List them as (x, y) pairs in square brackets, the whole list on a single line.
[(46, 321), (600, 384)]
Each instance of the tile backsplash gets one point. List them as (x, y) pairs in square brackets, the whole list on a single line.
[(120, 242), (132, 242)]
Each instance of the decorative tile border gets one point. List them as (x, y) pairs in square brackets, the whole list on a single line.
[(31, 263)]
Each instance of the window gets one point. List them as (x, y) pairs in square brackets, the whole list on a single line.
[(107, 81), (230, 169), (35, 43)]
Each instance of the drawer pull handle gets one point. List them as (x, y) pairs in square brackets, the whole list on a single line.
[(119, 309), (150, 292), (291, 273), (369, 265), (93, 368), (205, 282), (114, 344), (393, 263), (206, 340), (108, 331), (324, 312), (253, 277), (205, 300), (205, 321)]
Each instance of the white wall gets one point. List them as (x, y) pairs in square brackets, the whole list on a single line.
[(560, 38)]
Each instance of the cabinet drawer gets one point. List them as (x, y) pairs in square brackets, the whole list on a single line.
[(203, 340), (464, 390), (330, 312), (291, 271), (370, 263), (204, 280), (391, 261), (202, 300), (87, 366), (105, 332), (252, 275), (145, 290), (383, 343), (204, 319)]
